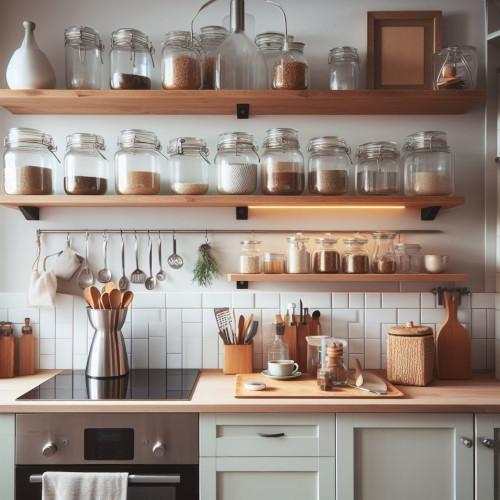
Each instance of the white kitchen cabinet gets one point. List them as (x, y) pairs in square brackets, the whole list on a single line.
[(487, 457), (405, 457), (7, 455)]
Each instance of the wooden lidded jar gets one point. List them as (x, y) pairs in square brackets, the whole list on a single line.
[(410, 354)]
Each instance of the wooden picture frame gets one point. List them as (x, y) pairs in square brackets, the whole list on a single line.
[(400, 48)]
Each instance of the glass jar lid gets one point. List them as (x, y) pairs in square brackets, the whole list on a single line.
[(408, 246), (343, 54), (378, 150), (273, 257), (327, 238), (250, 242), (427, 140), (383, 235), (84, 140), (82, 36), (232, 140), (296, 46), (21, 136), (133, 137), (297, 237), (181, 39), (213, 33), (131, 38), (270, 40), (328, 143), (188, 145), (355, 241), (281, 137)]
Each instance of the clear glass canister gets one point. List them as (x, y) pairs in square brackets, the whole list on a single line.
[(274, 263), (211, 37), (291, 69), (408, 258), (29, 162), (299, 257), (377, 169), (384, 258), (270, 44), (250, 257), (131, 60), (355, 258), (282, 163), (181, 61), (326, 257), (329, 162), (344, 68), (455, 68), (138, 162), (428, 164), (86, 170), (314, 352), (83, 56), (237, 162), (188, 159), (336, 365)]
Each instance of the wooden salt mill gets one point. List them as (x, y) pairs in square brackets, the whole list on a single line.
[(336, 365), (26, 346)]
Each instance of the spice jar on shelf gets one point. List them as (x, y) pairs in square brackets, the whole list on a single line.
[(273, 263), (181, 61), (455, 68), (211, 37), (137, 163), (86, 169), (270, 44), (329, 162), (29, 162), (131, 60), (428, 164), (291, 69), (408, 258), (384, 258), (299, 257), (326, 257), (236, 162), (83, 57), (377, 169), (344, 68), (282, 163), (250, 257), (355, 259), (188, 159)]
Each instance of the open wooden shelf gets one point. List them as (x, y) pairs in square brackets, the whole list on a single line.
[(429, 205), (240, 102)]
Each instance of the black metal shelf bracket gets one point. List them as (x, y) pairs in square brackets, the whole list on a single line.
[(30, 213), (243, 111), (439, 292), (242, 285), (241, 213), (429, 213)]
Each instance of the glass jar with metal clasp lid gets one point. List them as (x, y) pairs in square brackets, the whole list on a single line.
[(455, 68), (189, 163), (86, 169), (344, 68), (384, 258), (131, 60), (211, 38), (291, 69), (83, 57)]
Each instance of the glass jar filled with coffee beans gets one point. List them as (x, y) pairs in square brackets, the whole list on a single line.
[(282, 163), (211, 38), (86, 170), (131, 60), (291, 69), (384, 258), (355, 259), (326, 257)]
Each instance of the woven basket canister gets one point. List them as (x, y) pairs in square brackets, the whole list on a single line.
[(410, 354)]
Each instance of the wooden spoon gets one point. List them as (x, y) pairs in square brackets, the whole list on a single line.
[(246, 326), (241, 324), (127, 298), (96, 296), (105, 300), (115, 299), (109, 287), (87, 295)]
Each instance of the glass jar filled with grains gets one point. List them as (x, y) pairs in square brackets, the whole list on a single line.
[(355, 259), (188, 159), (86, 170), (137, 162), (29, 162), (131, 60), (299, 257), (250, 257), (181, 61), (83, 56), (326, 257), (384, 258), (344, 68), (291, 69), (211, 37), (274, 263), (377, 169), (270, 44), (282, 163), (408, 258), (329, 162), (236, 161), (428, 164)]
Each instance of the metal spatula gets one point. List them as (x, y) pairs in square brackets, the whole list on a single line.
[(224, 320)]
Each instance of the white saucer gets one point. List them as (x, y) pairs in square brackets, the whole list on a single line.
[(278, 377)]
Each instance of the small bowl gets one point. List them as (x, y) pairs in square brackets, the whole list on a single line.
[(435, 264)]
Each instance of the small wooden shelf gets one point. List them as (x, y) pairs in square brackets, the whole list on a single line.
[(227, 102)]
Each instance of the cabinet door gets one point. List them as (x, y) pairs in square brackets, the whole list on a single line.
[(7, 447), (404, 456), (487, 457), (267, 478)]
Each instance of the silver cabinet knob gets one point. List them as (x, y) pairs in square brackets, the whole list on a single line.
[(466, 442), (49, 449), (488, 443), (159, 449)]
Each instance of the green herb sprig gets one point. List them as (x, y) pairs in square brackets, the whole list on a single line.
[(206, 268)]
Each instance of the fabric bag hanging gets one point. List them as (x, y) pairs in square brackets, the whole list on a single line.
[(43, 284), (66, 263)]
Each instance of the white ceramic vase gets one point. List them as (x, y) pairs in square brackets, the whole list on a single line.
[(29, 67)]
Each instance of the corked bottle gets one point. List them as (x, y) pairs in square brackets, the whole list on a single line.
[(26, 346), (7, 350)]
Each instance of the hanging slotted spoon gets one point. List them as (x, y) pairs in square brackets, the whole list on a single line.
[(137, 276), (85, 277), (175, 261), (161, 275), (124, 282)]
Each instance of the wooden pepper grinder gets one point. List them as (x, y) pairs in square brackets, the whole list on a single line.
[(26, 350), (7, 350)]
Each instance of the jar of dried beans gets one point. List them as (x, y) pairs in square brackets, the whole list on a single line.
[(29, 162), (291, 69), (188, 159), (250, 257), (211, 37), (384, 258), (428, 164), (326, 257), (181, 61), (355, 259), (329, 163), (131, 60), (344, 68), (86, 170), (282, 163), (138, 162)]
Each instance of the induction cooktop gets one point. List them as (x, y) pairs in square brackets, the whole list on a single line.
[(156, 384)]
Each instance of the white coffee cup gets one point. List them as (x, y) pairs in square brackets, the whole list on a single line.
[(282, 367)]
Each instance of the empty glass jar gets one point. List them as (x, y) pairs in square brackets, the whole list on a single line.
[(83, 56), (384, 258), (138, 162), (455, 68), (211, 37), (86, 170), (29, 162), (131, 60), (428, 164), (329, 162), (299, 257), (408, 258), (377, 169), (355, 259), (250, 257), (282, 163), (344, 68), (188, 159), (326, 257), (291, 69)]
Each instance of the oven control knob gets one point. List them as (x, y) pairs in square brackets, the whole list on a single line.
[(159, 449), (49, 449)]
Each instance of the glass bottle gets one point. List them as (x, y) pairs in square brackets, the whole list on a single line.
[(250, 257), (278, 349), (270, 43), (384, 258), (326, 257), (211, 37), (344, 68), (299, 258), (455, 68), (355, 259)]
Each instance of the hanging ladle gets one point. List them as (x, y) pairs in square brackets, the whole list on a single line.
[(104, 275), (175, 261)]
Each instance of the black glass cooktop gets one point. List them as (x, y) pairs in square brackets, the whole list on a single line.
[(171, 384)]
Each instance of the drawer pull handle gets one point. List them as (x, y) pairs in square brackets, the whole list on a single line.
[(487, 443), (466, 442), (276, 435)]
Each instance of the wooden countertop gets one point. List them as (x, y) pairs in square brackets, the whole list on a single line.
[(214, 393)]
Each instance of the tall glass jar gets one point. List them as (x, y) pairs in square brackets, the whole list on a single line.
[(326, 257), (428, 164), (180, 62), (211, 37), (455, 68), (188, 159), (377, 169), (409, 258), (86, 170), (138, 162), (384, 258), (299, 257), (270, 44), (131, 60), (237, 162), (83, 57), (282, 163), (29, 162), (250, 257), (355, 259), (291, 69), (344, 68), (329, 162)]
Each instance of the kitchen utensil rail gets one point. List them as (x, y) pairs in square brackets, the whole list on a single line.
[(133, 479)]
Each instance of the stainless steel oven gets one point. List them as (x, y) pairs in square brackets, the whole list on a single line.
[(159, 451)]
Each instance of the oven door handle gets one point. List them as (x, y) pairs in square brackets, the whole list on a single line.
[(133, 479)]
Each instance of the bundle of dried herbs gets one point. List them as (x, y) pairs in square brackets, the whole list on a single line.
[(206, 267)]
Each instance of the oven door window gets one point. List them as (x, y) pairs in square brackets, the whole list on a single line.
[(140, 492)]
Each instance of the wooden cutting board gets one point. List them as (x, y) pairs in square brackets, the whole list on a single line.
[(302, 388)]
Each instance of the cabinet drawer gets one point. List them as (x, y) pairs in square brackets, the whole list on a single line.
[(276, 435)]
